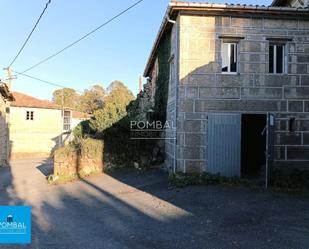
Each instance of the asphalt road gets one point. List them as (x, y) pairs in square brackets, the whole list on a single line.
[(138, 210)]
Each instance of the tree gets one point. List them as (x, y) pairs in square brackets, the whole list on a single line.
[(67, 97), (115, 103), (119, 93), (92, 99)]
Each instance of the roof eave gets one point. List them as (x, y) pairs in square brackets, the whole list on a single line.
[(162, 29), (35, 107)]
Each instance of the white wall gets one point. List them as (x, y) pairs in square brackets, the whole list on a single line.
[(34, 138)]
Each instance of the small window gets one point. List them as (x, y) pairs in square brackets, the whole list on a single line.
[(276, 59), (67, 121), (29, 115), (229, 57)]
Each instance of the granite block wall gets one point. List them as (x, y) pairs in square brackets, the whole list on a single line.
[(204, 88)]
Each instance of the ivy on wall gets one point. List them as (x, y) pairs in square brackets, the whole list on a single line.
[(161, 94)]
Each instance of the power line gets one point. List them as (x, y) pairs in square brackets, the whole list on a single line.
[(26, 41), (44, 81), (83, 37)]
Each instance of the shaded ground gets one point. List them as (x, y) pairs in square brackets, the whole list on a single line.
[(138, 210)]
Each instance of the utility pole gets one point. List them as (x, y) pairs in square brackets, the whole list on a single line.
[(62, 118), (9, 76)]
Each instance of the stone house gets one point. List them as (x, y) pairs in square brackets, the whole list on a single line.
[(5, 97), (238, 87), (37, 127)]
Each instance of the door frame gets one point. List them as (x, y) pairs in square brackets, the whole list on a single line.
[(270, 147), (269, 150)]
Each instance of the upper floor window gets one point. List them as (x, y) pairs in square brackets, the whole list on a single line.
[(229, 57), (276, 59), (29, 115)]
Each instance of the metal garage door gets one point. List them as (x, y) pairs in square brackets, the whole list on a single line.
[(224, 144)]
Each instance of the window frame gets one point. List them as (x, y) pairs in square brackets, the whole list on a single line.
[(236, 52), (67, 120), (275, 46), (29, 115)]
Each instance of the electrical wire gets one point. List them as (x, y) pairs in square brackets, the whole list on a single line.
[(28, 38), (44, 81), (83, 37)]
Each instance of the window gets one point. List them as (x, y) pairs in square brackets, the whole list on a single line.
[(29, 115), (276, 59), (67, 120), (229, 57)]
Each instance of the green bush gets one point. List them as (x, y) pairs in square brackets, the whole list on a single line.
[(293, 180), (122, 151), (181, 180), (297, 180), (92, 148), (65, 151), (82, 129), (106, 117), (114, 108)]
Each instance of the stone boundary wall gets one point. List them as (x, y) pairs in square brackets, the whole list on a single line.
[(70, 163)]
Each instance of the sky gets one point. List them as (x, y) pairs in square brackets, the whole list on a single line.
[(118, 51)]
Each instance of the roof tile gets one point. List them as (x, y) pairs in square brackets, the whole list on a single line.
[(23, 100)]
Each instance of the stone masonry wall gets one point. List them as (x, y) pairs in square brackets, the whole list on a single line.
[(203, 88), (3, 134), (71, 163)]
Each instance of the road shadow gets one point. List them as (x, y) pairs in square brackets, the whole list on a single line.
[(137, 209), (46, 168)]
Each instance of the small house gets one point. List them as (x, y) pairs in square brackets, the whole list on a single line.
[(237, 87), (38, 127)]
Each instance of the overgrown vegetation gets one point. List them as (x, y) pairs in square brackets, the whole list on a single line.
[(113, 110), (91, 99), (290, 180), (297, 180), (67, 97), (162, 84), (123, 151), (181, 180), (77, 161), (112, 122)]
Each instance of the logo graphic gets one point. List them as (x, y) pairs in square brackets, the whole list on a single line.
[(9, 219), (154, 130), (15, 224)]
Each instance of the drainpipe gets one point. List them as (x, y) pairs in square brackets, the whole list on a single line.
[(170, 21), (176, 88)]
